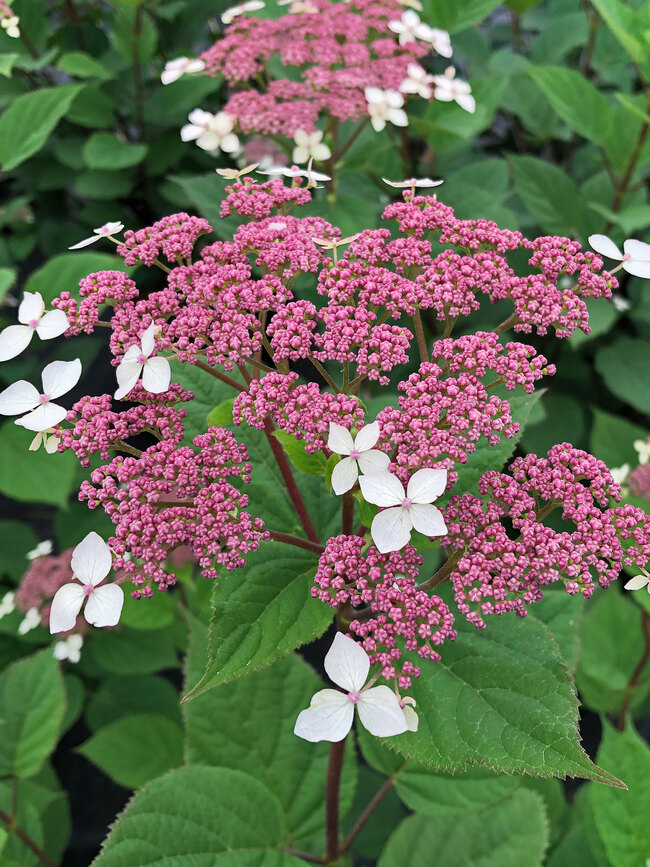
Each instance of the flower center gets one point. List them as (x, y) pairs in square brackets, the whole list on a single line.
[(406, 503), (354, 454), (44, 398), (354, 696), (33, 323), (142, 358), (88, 589), (626, 257)]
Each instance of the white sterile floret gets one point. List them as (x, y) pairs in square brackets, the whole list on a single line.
[(41, 414), (139, 360), (331, 713), (10, 26), (235, 11), (91, 562), (414, 183), (409, 28), (642, 448), (619, 474), (414, 4), (46, 438), (32, 318), (385, 106), (7, 604), (43, 549), (174, 69), (235, 174), (68, 648), (448, 88), (417, 81), (360, 456), (295, 172), (31, 620), (105, 231), (639, 582), (309, 146), (407, 704), (211, 131), (404, 510), (635, 259)]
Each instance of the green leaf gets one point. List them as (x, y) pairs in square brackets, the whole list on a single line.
[(564, 421), (16, 539), (513, 833), (458, 15), (260, 741), (135, 749), (104, 150), (92, 108), (7, 280), (27, 123), (32, 698), (104, 184), (7, 62), (501, 697), (626, 25), (221, 415), (33, 477), (549, 194), (133, 651), (148, 613), (562, 614), (13, 852), (624, 366), (621, 818), (521, 5), (452, 794), (261, 613), (199, 817), (64, 272), (612, 437), (602, 316), (313, 464), (82, 65), (581, 106), (119, 696)]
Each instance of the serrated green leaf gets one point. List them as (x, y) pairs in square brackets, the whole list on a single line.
[(562, 614), (106, 151), (32, 699), (549, 194), (577, 101), (624, 366), (33, 477), (82, 65)]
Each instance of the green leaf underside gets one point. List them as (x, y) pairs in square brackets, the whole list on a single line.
[(199, 817), (501, 697), (261, 613)]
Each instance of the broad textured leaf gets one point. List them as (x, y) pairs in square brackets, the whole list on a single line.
[(32, 698), (458, 15), (576, 100), (626, 25), (27, 123), (13, 852), (33, 477), (105, 151), (82, 65), (612, 437), (501, 697), (562, 614), (136, 748), (452, 794), (313, 464), (549, 194), (199, 817), (621, 818), (624, 366), (133, 651), (261, 613), (256, 716), (118, 696), (513, 833), (65, 271)]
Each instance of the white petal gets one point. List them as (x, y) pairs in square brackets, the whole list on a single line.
[(85, 243), (229, 143), (208, 141), (347, 663), (156, 375), (127, 374), (373, 461), (43, 417), (133, 353), (637, 266), (19, 397), (391, 529), (382, 489), (104, 605), (374, 94), (367, 437), (380, 713), (605, 246), (398, 117), (344, 476), (427, 485), (167, 76), (189, 132), (636, 583), (91, 559), (14, 340), (467, 102), (66, 605), (411, 718), (31, 307), (53, 324), (321, 152), (638, 250), (329, 718), (428, 520), (61, 376), (340, 439), (148, 340)]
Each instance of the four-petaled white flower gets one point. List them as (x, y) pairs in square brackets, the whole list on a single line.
[(140, 360), (235, 174), (211, 131), (31, 620), (70, 648), (33, 318), (10, 26), (635, 259), (642, 448), (309, 146), (639, 582), (406, 510), (43, 549), (413, 183), (235, 11), (619, 474), (409, 28), (295, 172), (22, 397), (331, 713), (91, 562), (418, 81), (7, 605), (385, 106), (360, 455), (105, 231), (174, 69), (448, 88)]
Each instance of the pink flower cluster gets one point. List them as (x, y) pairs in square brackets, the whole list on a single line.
[(495, 573), (398, 612)]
